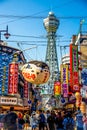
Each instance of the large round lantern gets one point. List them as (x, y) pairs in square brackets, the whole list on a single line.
[(36, 72)]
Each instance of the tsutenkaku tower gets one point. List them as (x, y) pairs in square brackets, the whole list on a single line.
[(51, 24)]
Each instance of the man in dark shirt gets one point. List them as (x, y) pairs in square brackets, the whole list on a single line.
[(10, 120), (51, 121), (42, 120)]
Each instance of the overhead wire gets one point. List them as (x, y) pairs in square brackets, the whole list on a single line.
[(42, 37), (25, 42), (40, 17), (24, 51)]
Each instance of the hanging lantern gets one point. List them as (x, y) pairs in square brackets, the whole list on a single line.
[(78, 102), (77, 95), (78, 99), (83, 107), (36, 72)]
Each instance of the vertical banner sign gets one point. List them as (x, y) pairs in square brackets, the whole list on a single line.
[(13, 78), (64, 79), (25, 89), (57, 88), (4, 89), (74, 74), (71, 69)]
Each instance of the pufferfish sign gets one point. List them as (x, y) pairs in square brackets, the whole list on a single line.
[(36, 72)]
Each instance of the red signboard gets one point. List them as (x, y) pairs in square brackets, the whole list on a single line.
[(74, 74), (13, 78)]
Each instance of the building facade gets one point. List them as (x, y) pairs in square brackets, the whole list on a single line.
[(13, 87)]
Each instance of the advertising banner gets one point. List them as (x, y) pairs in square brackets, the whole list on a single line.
[(64, 79), (74, 74), (13, 78), (25, 89), (3, 73), (8, 100), (57, 88)]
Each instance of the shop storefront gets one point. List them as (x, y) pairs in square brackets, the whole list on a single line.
[(7, 101)]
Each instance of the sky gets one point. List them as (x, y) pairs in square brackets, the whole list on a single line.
[(25, 24)]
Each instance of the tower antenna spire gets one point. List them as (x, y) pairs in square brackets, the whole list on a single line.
[(51, 7)]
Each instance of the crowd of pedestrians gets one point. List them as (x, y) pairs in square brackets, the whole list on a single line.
[(43, 120)]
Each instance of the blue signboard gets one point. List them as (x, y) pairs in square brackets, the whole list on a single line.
[(29, 101), (84, 76)]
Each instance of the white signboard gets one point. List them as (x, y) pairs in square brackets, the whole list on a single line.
[(8, 100), (20, 102)]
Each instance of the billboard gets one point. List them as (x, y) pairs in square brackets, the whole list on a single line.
[(13, 78), (57, 88), (25, 89), (74, 74), (64, 79)]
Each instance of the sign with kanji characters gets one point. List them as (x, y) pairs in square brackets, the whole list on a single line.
[(64, 79), (25, 89), (74, 74), (36, 72), (57, 88), (13, 78)]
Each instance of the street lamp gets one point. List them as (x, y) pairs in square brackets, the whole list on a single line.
[(6, 34)]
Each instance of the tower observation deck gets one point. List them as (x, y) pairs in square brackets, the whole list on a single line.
[(51, 24)]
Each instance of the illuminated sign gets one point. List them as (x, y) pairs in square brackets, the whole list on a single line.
[(20, 102), (74, 74), (4, 79), (3, 73), (13, 78), (57, 88), (8, 100), (25, 89), (64, 79)]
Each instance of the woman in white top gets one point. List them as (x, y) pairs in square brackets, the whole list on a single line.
[(33, 121)]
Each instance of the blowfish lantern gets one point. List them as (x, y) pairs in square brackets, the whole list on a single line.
[(36, 72)]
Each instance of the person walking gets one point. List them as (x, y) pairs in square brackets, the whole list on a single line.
[(27, 120), (59, 121), (33, 121), (10, 120), (1, 119), (68, 122), (85, 121), (51, 121), (41, 120), (79, 120), (21, 121)]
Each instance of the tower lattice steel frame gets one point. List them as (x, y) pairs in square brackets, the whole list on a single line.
[(51, 24)]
